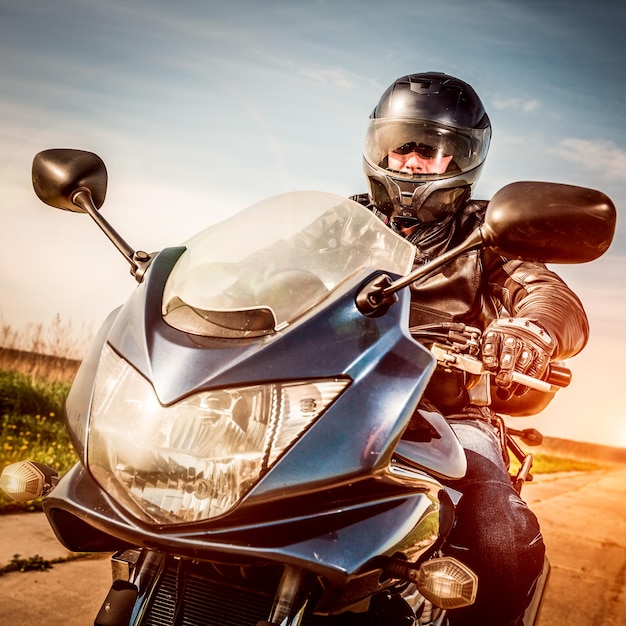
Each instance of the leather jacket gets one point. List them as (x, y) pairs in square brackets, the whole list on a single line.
[(480, 286)]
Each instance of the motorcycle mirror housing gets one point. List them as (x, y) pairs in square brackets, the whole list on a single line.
[(549, 222), (534, 221), (76, 180), (59, 173)]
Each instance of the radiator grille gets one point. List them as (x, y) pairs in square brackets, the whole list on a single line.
[(163, 607), (209, 600), (211, 603)]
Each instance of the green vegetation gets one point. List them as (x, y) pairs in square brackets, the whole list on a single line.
[(31, 427), (550, 464), (37, 365), (547, 464), (21, 394), (36, 563)]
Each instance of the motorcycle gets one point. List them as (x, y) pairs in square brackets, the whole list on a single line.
[(239, 420)]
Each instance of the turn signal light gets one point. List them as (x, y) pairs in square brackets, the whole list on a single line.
[(447, 583), (27, 480)]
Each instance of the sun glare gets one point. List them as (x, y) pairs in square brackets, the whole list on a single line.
[(620, 440)]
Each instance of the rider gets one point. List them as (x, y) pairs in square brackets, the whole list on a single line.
[(426, 144)]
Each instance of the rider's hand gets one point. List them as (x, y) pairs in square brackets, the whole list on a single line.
[(515, 344)]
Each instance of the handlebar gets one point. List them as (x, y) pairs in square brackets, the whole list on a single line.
[(557, 376), (457, 346)]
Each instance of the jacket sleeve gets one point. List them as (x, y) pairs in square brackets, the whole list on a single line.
[(531, 290)]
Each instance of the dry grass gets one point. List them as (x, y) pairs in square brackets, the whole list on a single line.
[(549, 464), (51, 352), (37, 365)]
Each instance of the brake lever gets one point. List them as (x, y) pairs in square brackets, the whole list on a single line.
[(472, 365)]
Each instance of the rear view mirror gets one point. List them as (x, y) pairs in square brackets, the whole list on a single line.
[(533, 221), (549, 222), (76, 180), (59, 173)]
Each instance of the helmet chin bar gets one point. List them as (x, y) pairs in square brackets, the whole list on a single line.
[(423, 200), (440, 203)]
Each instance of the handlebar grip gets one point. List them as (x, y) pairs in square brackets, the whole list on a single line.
[(533, 383), (559, 375)]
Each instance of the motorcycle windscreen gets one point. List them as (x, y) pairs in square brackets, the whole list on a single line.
[(258, 271)]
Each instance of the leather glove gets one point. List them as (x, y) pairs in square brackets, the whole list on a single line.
[(515, 344)]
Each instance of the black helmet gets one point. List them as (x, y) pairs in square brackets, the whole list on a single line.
[(426, 144)]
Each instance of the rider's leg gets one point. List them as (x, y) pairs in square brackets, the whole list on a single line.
[(495, 534)]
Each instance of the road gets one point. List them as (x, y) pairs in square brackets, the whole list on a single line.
[(583, 518)]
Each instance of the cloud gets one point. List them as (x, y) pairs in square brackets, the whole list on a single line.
[(601, 156), (335, 76), (517, 104)]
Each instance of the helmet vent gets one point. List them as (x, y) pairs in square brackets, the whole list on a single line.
[(424, 86)]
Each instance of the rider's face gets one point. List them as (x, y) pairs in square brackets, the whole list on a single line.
[(412, 158)]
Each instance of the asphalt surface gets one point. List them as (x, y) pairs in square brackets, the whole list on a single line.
[(583, 517), (583, 521), (69, 594)]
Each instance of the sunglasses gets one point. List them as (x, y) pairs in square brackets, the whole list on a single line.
[(426, 152)]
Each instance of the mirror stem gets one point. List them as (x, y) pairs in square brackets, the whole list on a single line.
[(139, 261), (377, 296), (475, 240)]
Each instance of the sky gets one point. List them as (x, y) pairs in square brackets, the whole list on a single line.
[(200, 108)]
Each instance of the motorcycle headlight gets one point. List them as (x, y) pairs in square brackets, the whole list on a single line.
[(195, 459)]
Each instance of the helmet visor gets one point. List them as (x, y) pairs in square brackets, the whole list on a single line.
[(422, 150)]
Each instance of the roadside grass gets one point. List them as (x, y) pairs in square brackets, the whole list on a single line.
[(37, 342), (31, 427), (551, 464), (548, 464), (37, 364)]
